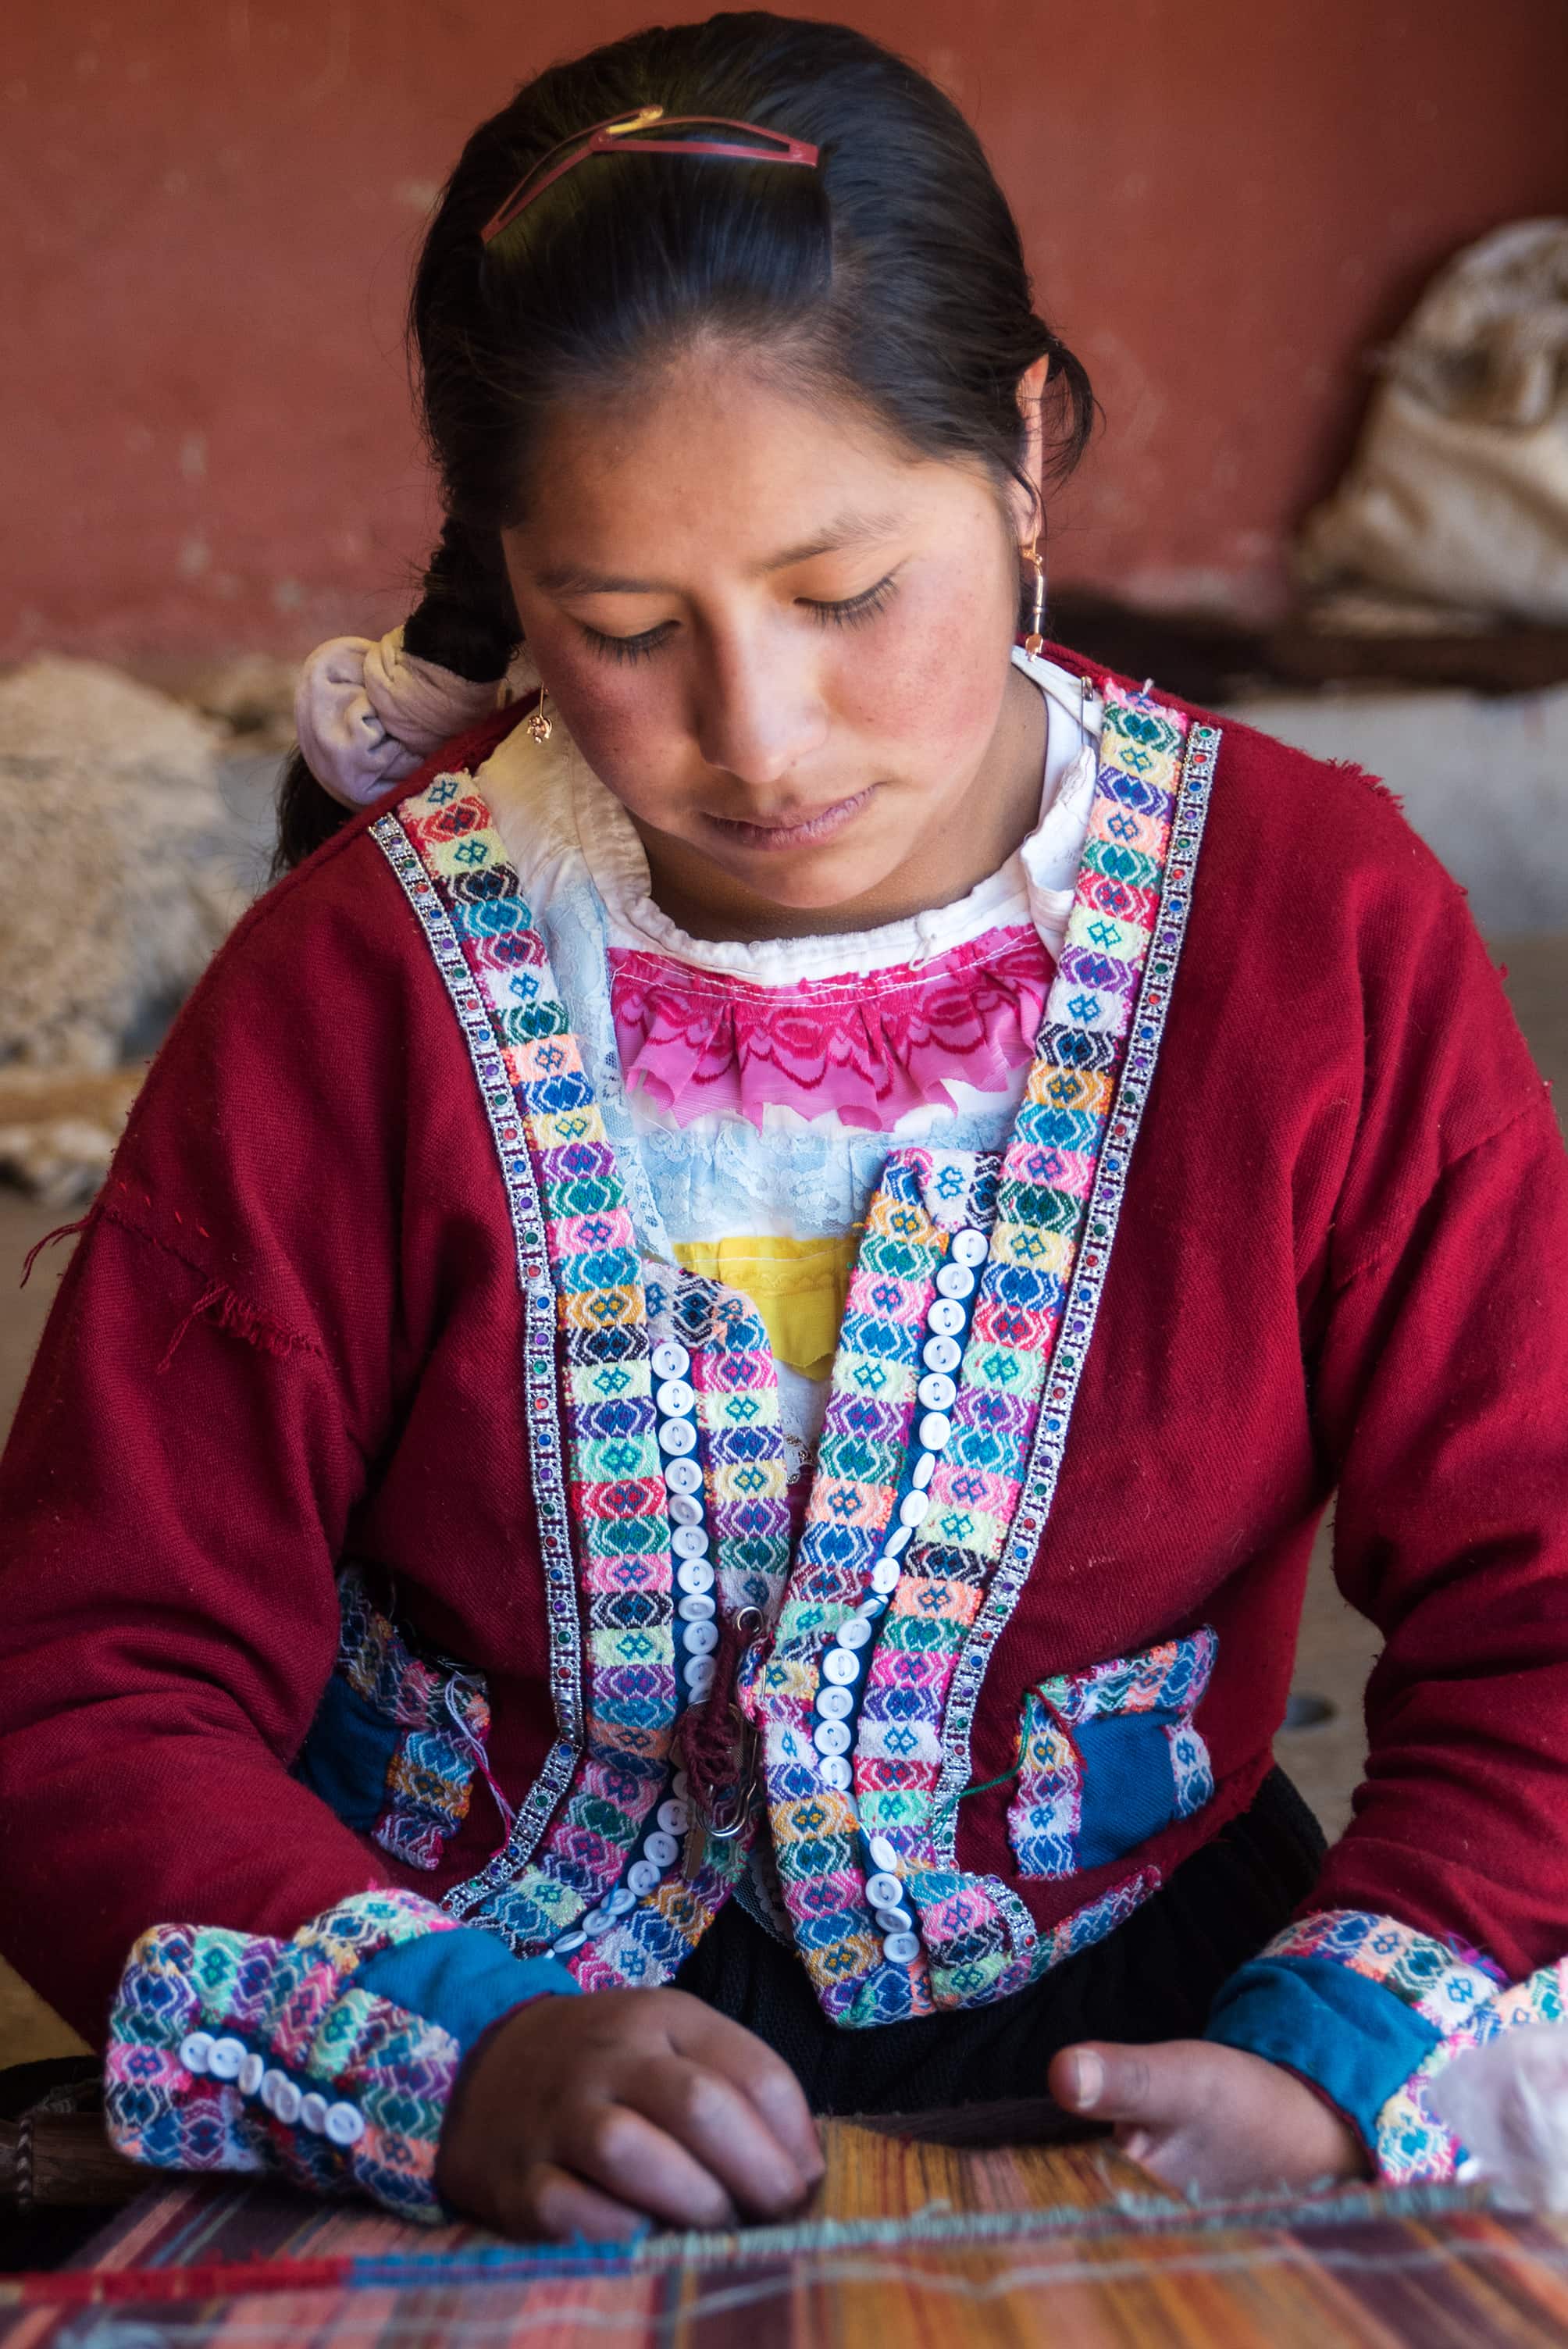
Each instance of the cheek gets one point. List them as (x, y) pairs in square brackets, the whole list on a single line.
[(931, 676), (626, 719)]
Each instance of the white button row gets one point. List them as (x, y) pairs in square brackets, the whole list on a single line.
[(661, 1849), (674, 1399), (230, 2059), (844, 1663)]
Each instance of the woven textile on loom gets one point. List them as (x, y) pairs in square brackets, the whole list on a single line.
[(911, 2244)]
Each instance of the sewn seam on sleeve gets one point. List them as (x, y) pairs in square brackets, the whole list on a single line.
[(1451, 1166)]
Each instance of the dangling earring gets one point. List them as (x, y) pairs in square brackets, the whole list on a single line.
[(540, 724), (1035, 642)]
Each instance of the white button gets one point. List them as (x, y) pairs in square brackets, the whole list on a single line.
[(312, 2114), (678, 1436), (697, 1606), (686, 1509), (855, 1633), (662, 1849), (898, 1539), (597, 1921), (700, 1639), (196, 2053), (643, 1877), (249, 2074), (699, 1673), (286, 2102), (695, 1574), (955, 1280), (935, 1432), (894, 1921), (689, 1541), (680, 1785), (900, 1948), (841, 1667), (884, 1889), (620, 1900), (883, 1854), (670, 1361), (564, 1943), (272, 2085), (912, 1507), (941, 1354), (831, 1737), (924, 1470), (674, 1399), (226, 2058), (674, 1818), (836, 1773), (937, 1391), (835, 1703), (682, 1476), (970, 1246), (872, 1607), (344, 2124), (945, 1319)]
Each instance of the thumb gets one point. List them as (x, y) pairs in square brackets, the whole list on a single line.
[(1109, 2083)]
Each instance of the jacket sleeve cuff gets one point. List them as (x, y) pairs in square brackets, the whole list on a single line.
[(1357, 2005), (236, 2051)]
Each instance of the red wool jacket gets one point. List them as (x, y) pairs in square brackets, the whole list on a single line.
[(290, 1333)]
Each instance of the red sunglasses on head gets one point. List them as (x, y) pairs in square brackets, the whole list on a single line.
[(621, 134)]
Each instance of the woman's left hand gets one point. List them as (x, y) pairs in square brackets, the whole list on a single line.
[(1208, 2119)]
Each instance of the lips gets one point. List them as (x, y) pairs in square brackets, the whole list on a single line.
[(796, 831)]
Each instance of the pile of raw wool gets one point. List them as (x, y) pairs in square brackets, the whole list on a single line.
[(118, 884)]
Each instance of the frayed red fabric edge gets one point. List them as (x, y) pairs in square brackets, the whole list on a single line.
[(60, 1232), (226, 1309)]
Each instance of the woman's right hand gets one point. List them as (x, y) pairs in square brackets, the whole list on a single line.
[(591, 2116)]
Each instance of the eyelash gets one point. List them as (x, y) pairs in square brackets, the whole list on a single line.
[(851, 614)]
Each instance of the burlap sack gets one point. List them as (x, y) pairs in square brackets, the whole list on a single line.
[(1458, 491)]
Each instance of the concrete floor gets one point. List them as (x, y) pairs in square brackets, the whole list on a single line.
[(1336, 1647)]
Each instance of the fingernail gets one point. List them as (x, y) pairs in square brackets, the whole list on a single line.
[(1089, 2079)]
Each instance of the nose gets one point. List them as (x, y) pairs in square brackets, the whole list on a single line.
[(761, 711)]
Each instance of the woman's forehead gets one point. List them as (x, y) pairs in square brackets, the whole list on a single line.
[(720, 463)]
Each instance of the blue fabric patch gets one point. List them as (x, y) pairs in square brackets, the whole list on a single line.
[(465, 1980), (346, 1755), (1128, 1786), (1356, 2041)]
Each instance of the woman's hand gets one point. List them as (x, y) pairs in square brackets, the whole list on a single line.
[(591, 2116), (1209, 2118)]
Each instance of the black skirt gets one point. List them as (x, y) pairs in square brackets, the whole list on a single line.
[(1154, 1978)]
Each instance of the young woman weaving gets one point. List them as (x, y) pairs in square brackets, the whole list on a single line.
[(671, 1485)]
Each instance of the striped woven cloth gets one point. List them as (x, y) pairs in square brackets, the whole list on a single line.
[(911, 2243)]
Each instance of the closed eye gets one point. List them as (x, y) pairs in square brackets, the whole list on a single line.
[(854, 608), (850, 612)]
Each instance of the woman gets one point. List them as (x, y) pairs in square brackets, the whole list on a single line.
[(671, 1481)]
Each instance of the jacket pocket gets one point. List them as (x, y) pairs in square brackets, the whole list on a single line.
[(399, 1733), (1109, 1756)]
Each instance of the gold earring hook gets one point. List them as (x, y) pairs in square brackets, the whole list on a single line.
[(539, 722), (1035, 642)]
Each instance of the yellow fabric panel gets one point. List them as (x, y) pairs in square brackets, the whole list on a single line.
[(798, 1287)]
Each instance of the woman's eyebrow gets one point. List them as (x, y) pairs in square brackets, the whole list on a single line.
[(849, 530)]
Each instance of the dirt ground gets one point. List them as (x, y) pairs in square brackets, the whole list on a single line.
[(1336, 1646)]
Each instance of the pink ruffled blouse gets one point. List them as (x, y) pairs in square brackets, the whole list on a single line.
[(869, 1046)]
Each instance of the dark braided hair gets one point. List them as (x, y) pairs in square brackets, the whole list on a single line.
[(892, 274)]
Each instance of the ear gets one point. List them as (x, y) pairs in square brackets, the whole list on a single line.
[(1029, 511)]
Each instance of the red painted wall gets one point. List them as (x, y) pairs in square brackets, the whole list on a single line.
[(211, 207)]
